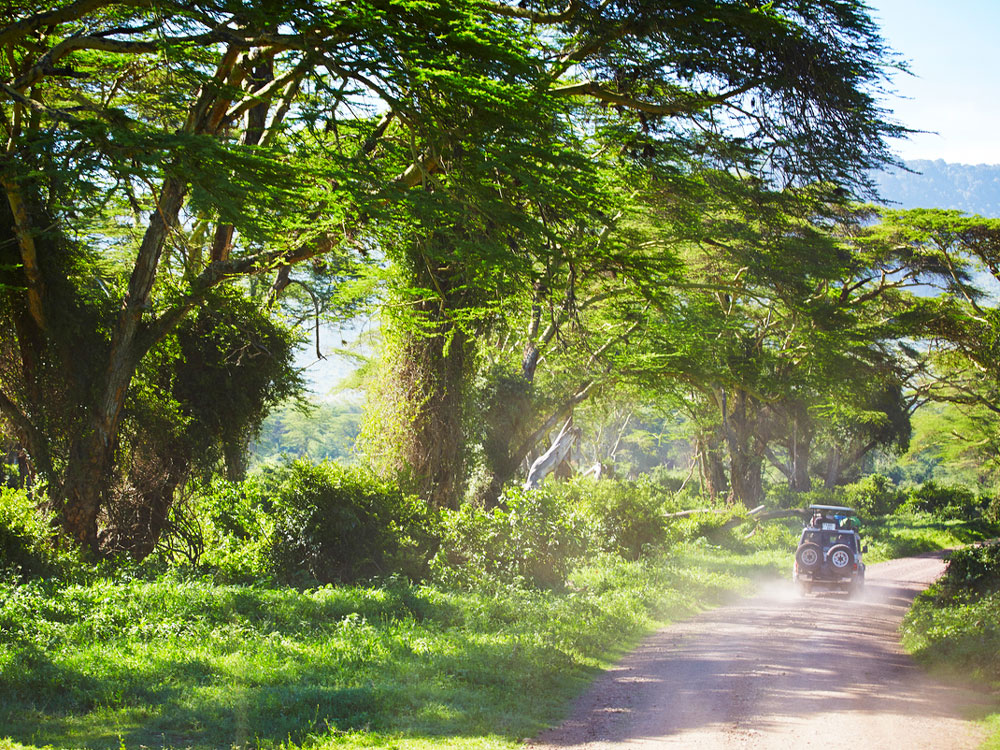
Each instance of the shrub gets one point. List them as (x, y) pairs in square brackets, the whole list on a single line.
[(669, 479), (26, 538), (770, 535), (623, 517), (992, 512), (873, 496), (975, 569), (303, 523), (947, 502), (530, 538), (232, 531), (342, 524), (712, 527)]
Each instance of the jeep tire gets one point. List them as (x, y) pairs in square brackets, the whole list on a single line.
[(840, 557), (809, 556)]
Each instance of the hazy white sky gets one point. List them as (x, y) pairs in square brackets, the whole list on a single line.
[(953, 50)]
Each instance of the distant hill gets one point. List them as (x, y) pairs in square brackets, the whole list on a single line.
[(974, 189)]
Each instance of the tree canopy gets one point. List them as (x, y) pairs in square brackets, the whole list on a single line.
[(177, 175)]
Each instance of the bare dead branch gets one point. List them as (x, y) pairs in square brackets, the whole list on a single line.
[(514, 11)]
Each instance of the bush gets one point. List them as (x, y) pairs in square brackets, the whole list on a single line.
[(530, 539), (26, 539), (233, 531), (712, 527), (669, 479), (303, 523), (771, 535), (874, 496), (991, 514), (623, 517), (948, 502), (343, 524), (975, 569)]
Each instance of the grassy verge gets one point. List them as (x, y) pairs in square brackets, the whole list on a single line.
[(187, 663), (190, 664), (915, 533), (953, 628)]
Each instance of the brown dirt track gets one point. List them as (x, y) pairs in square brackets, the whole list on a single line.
[(779, 671)]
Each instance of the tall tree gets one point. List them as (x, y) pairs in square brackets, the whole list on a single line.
[(655, 91), (153, 155), (955, 348), (791, 330)]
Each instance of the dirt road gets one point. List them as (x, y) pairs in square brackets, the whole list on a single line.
[(778, 672)]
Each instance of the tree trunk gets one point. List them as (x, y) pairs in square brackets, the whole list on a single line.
[(746, 452), (800, 447), (84, 487), (746, 475), (91, 460), (236, 456), (711, 452), (421, 425), (554, 456), (833, 469)]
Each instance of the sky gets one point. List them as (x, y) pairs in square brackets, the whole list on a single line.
[(953, 50)]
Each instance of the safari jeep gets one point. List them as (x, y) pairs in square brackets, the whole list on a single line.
[(829, 551)]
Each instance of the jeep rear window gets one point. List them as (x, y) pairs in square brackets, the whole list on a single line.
[(829, 538)]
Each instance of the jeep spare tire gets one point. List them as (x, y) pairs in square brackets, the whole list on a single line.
[(809, 555), (839, 556)]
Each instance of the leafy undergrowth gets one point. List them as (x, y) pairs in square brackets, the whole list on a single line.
[(953, 628), (905, 535), (189, 662), (192, 664)]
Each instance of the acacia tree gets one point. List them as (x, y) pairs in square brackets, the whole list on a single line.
[(155, 154), (783, 91), (956, 342), (787, 335)]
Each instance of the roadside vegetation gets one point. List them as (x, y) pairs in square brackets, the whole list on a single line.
[(280, 612), (953, 626)]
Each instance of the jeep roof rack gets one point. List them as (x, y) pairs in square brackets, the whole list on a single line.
[(840, 508)]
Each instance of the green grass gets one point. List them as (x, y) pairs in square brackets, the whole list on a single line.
[(960, 634), (190, 664), (959, 639), (917, 533), (182, 663), (953, 629)]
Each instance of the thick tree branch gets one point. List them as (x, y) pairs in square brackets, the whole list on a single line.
[(16, 417), (37, 107), (265, 92), (47, 64), (27, 432), (554, 419), (12, 32), (29, 253), (200, 113), (689, 104), (777, 462), (218, 32)]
